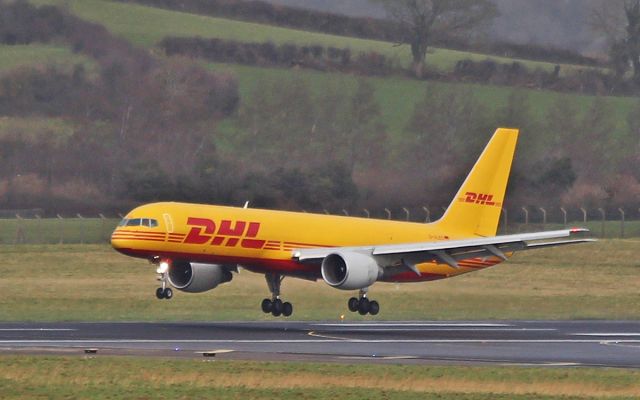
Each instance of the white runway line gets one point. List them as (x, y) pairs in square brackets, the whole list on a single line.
[(626, 334), (456, 329), (416, 325), (36, 330), (307, 341)]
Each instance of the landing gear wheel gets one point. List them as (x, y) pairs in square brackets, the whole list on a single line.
[(168, 293), (160, 293), (374, 307), (275, 306), (267, 306), (276, 310), (353, 304), (287, 309), (364, 306)]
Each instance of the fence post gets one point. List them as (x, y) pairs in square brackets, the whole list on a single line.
[(428, 212), (407, 213), (544, 217), (386, 210), (366, 212), (20, 237), (603, 214), (526, 216), (584, 214), (81, 228), (61, 241), (103, 224), (621, 222), (564, 215), (40, 228)]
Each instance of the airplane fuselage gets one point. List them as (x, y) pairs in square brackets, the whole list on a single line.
[(265, 240)]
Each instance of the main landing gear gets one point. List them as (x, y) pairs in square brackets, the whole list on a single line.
[(163, 276), (275, 306), (363, 305)]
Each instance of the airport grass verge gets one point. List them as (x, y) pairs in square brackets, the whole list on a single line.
[(94, 283), (24, 377)]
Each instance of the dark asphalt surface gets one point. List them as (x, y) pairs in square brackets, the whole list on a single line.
[(553, 343)]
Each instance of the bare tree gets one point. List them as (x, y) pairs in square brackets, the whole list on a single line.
[(421, 22), (619, 21)]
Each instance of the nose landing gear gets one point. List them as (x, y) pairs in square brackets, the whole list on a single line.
[(275, 306), (163, 276)]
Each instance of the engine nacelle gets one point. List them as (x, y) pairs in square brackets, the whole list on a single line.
[(197, 278), (350, 270)]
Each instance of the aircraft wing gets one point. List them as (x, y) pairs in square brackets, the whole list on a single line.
[(450, 251)]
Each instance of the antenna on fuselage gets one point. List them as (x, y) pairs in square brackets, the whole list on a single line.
[(246, 204)]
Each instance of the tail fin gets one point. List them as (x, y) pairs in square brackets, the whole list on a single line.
[(476, 208)]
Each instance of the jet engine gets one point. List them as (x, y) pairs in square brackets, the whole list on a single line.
[(350, 270), (197, 278)]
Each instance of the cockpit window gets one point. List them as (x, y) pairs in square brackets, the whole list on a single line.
[(134, 222), (148, 222)]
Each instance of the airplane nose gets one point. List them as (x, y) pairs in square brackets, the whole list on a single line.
[(117, 241)]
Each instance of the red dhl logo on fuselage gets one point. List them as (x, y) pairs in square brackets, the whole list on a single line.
[(229, 233), (479, 198)]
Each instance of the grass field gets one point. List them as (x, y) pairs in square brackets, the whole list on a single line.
[(98, 231), (54, 230), (92, 282), (29, 377), (38, 54), (146, 26), (398, 96)]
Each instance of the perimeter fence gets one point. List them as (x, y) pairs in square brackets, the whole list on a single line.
[(29, 227)]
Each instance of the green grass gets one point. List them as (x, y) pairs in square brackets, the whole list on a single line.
[(98, 231), (38, 54), (398, 96), (34, 128), (146, 26), (28, 377), (54, 230), (93, 282)]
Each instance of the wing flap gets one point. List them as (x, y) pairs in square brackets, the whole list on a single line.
[(451, 251)]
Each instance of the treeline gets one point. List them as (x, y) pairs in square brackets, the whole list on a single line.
[(516, 74), (366, 28), (570, 155), (134, 111), (145, 129), (284, 55)]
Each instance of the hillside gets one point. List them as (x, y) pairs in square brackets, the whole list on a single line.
[(146, 26), (427, 132), (562, 24)]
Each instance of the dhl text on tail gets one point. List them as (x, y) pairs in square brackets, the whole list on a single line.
[(197, 247)]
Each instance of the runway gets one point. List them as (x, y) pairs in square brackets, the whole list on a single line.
[(544, 343)]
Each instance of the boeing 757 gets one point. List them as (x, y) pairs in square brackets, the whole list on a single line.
[(197, 247)]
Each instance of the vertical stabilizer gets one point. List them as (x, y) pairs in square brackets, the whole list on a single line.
[(475, 211)]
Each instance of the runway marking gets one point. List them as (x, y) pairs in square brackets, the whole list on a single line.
[(337, 340), (378, 357), (37, 330), (443, 325), (364, 330), (607, 334)]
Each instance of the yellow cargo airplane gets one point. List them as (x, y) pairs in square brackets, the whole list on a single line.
[(197, 247)]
